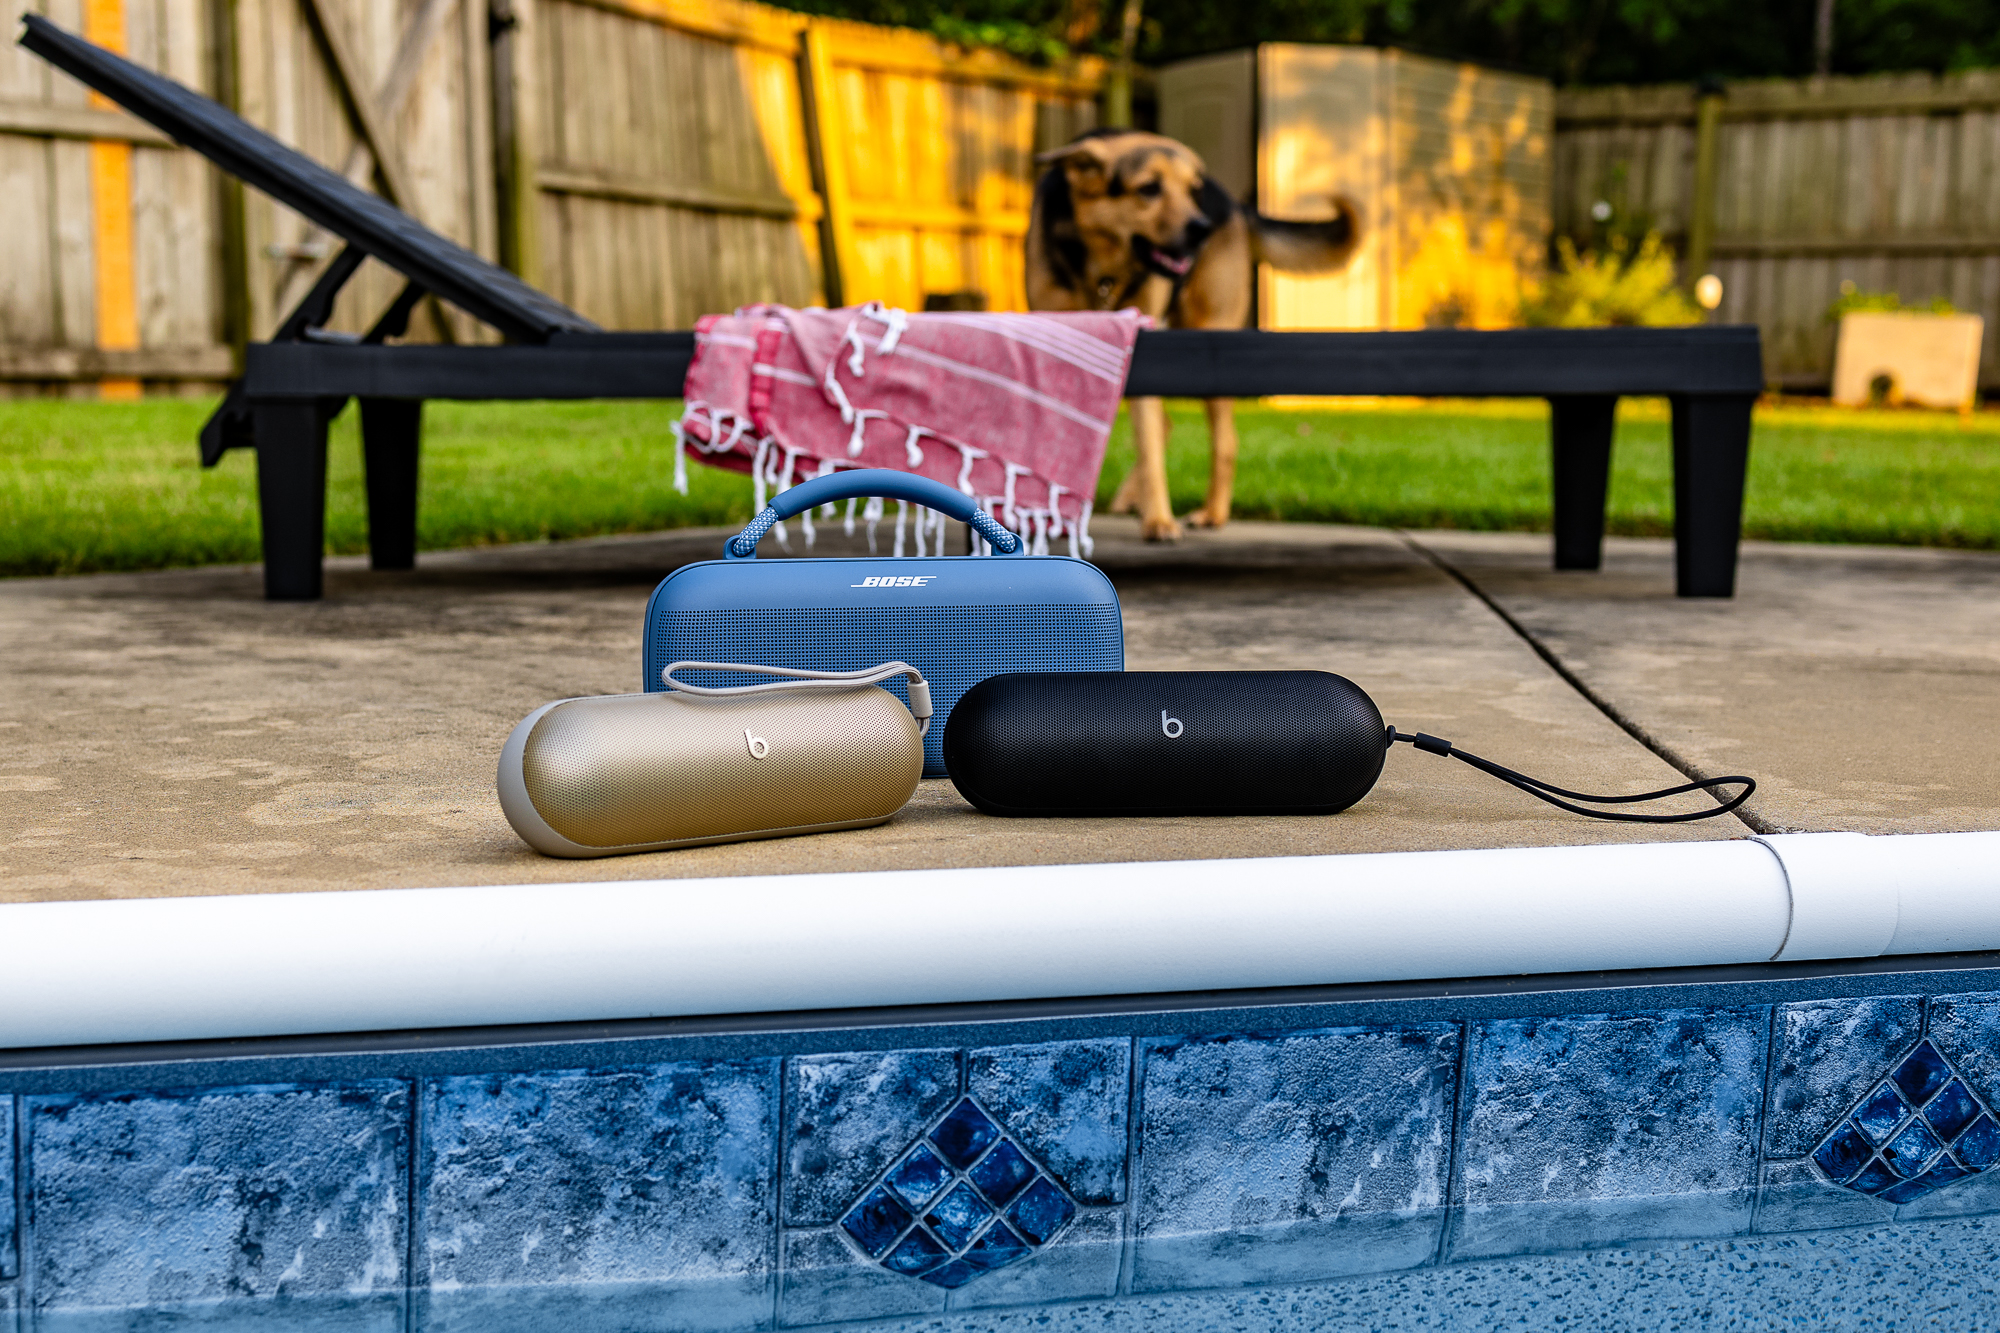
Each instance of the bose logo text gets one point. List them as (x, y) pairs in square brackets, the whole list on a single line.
[(894, 581), (1170, 725), (759, 747)]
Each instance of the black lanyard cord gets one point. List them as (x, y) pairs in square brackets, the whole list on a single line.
[(1543, 791)]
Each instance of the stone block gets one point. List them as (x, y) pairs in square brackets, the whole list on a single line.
[(1966, 1030), (1291, 1157), (848, 1116), (647, 1195), (1827, 1054), (1066, 1102), (826, 1281), (1590, 1131), (283, 1197)]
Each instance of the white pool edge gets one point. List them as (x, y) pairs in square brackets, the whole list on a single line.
[(170, 969)]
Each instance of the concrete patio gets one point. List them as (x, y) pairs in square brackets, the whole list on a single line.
[(171, 733)]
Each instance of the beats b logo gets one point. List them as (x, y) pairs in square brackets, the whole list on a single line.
[(759, 747), (1170, 725)]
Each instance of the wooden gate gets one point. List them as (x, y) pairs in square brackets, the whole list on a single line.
[(394, 94)]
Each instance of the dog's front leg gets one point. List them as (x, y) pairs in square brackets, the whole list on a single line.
[(1130, 490), (1149, 471), (1221, 464)]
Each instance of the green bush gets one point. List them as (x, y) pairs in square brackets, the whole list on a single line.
[(1854, 301), (1616, 286)]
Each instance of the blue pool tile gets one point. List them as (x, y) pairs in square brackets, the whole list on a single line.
[(1002, 1172), (1971, 1195), (1879, 1115), (997, 1247), (1921, 1073), (876, 1221), (918, 1251), (1796, 1198), (1951, 1111), (1041, 1212), (954, 1274), (9, 1253), (1874, 1178), (1826, 1055), (1068, 1102), (1845, 1152), (826, 1282), (261, 1196), (1291, 1157), (919, 1176), (958, 1216), (1911, 1152), (1080, 1264), (1586, 1132), (848, 1116), (1978, 1144), (661, 1175), (964, 1134)]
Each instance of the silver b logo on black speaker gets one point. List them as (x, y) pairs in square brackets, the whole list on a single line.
[(1170, 725)]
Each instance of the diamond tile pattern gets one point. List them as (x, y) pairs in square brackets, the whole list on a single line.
[(1917, 1131), (963, 1201)]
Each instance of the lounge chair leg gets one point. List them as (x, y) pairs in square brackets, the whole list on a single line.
[(291, 496), (390, 431), (1711, 453), (1580, 428)]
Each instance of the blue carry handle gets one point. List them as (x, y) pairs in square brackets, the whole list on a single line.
[(869, 481)]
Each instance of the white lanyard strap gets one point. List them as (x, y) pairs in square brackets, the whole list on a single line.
[(802, 679)]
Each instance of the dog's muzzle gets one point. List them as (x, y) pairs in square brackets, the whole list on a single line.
[(1166, 263)]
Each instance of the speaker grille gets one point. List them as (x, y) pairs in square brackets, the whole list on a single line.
[(1166, 742), (955, 647)]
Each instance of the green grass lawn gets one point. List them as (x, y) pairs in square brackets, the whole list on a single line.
[(89, 486)]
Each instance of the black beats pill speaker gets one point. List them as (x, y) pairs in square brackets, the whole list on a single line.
[(1164, 743), (1212, 743)]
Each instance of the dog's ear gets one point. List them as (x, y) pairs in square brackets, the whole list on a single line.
[(1214, 202), (1083, 162)]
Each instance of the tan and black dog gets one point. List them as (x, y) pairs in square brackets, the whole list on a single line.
[(1124, 218)]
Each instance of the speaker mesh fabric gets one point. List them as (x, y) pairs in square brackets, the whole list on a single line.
[(1166, 742), (955, 647)]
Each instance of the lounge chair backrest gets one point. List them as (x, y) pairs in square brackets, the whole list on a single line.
[(366, 221)]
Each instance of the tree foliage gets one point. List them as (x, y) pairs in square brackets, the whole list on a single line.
[(1570, 41)]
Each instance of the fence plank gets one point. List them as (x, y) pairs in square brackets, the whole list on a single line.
[(1889, 182)]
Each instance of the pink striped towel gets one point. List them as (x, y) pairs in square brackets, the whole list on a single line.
[(1010, 409)]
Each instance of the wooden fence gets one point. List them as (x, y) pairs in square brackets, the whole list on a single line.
[(647, 161), (109, 273), (1889, 182), (684, 156)]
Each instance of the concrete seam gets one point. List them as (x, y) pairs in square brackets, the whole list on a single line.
[(1749, 818), (1764, 1114), (1129, 1242), (1454, 1190), (413, 1182), (17, 1108), (779, 1138), (24, 1222)]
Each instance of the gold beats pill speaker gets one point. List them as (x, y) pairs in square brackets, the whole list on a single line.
[(621, 773)]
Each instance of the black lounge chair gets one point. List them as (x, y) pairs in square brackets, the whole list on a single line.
[(294, 385)]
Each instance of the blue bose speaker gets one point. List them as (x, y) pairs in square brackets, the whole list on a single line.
[(957, 619)]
